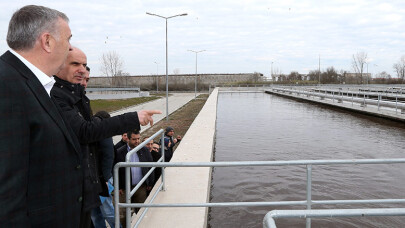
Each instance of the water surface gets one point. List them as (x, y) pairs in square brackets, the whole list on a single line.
[(263, 127)]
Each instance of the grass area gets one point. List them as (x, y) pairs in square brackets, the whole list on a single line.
[(181, 119), (116, 104)]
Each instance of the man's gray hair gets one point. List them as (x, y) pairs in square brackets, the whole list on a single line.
[(29, 22)]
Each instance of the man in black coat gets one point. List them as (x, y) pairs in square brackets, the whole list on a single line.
[(41, 176), (137, 173), (122, 142), (70, 96), (170, 142)]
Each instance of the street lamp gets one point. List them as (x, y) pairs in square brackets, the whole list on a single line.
[(195, 82), (271, 71), (367, 72), (157, 76), (167, 78)]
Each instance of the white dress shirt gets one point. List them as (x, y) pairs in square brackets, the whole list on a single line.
[(46, 81)]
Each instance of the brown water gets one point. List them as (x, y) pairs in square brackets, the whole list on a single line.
[(263, 127)]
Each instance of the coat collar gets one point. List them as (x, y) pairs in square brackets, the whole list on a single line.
[(40, 93)]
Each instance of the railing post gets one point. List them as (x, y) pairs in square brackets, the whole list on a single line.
[(352, 98), (128, 196), (162, 148), (396, 103), (116, 197), (309, 193)]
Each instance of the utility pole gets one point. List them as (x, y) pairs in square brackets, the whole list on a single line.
[(319, 70)]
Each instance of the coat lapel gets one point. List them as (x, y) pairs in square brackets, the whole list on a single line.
[(40, 93)]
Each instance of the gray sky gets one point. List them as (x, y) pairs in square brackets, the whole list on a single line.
[(239, 36)]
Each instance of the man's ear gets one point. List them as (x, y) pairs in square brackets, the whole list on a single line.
[(47, 42)]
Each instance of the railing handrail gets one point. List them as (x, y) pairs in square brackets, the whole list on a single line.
[(307, 163), (128, 192), (262, 163), (341, 96), (268, 221)]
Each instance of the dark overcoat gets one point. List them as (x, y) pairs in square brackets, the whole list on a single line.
[(76, 108), (144, 156), (40, 161)]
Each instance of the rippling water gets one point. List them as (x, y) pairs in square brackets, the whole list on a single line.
[(263, 127)]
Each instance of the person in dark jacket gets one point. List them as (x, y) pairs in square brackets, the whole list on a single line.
[(40, 160), (156, 155), (137, 173), (70, 96), (170, 142), (122, 142), (105, 212)]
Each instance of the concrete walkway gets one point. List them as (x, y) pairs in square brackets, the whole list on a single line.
[(187, 184), (176, 101)]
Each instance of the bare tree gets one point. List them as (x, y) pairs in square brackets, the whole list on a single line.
[(399, 68), (358, 64), (111, 64)]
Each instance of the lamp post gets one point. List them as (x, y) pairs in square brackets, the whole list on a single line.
[(319, 71), (157, 77), (195, 82), (271, 71), (367, 72), (167, 78)]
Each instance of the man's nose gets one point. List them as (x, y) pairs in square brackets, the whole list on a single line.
[(82, 69)]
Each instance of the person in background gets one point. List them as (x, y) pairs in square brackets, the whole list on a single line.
[(137, 173), (106, 158), (170, 142), (86, 77), (122, 142), (156, 155), (40, 159)]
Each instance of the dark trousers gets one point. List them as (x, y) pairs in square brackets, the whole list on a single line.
[(139, 197)]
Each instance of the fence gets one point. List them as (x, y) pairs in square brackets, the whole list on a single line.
[(394, 101), (268, 221), (308, 202)]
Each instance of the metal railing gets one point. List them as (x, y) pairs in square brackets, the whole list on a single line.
[(130, 192), (361, 98), (268, 221), (308, 202)]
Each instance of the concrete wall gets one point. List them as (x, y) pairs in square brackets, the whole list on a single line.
[(150, 82)]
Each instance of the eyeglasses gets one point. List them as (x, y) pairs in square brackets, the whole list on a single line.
[(156, 148)]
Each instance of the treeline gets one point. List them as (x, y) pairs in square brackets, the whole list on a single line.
[(332, 76)]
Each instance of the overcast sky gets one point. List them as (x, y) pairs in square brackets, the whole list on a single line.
[(239, 36)]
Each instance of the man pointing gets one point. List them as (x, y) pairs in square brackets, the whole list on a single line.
[(70, 96)]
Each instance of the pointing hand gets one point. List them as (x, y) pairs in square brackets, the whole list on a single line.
[(145, 116)]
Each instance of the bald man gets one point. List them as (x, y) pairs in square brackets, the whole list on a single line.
[(69, 95)]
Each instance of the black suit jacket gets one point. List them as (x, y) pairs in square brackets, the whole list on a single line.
[(40, 173), (144, 156)]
